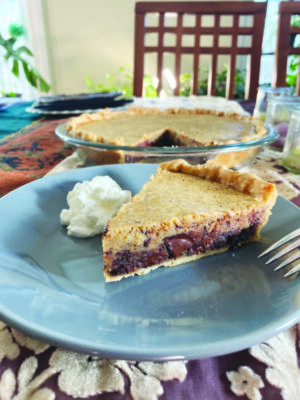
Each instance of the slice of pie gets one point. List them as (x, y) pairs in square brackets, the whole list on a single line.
[(183, 213)]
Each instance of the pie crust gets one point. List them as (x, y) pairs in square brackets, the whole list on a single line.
[(183, 213)]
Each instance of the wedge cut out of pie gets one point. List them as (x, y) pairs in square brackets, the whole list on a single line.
[(183, 213)]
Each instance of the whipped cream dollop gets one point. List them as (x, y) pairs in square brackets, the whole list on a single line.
[(91, 205)]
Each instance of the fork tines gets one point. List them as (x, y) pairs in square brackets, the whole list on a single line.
[(286, 250)]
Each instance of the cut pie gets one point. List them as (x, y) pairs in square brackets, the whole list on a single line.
[(171, 127), (183, 213), (148, 127)]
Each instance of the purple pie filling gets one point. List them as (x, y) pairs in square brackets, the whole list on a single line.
[(184, 244), (165, 139)]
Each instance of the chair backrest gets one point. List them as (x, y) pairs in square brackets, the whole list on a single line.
[(284, 43), (200, 31)]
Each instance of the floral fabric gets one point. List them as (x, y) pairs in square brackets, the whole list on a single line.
[(30, 154), (33, 370)]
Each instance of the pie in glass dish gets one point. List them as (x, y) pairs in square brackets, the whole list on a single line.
[(149, 127), (183, 213)]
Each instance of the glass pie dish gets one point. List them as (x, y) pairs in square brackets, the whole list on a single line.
[(234, 155)]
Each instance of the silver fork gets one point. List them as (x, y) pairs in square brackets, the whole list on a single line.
[(292, 244)]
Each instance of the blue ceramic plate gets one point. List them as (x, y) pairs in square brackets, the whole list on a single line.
[(52, 286)]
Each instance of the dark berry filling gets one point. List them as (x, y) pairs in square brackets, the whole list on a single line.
[(126, 261), (184, 244)]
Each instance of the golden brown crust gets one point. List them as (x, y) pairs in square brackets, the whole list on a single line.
[(76, 124), (242, 181)]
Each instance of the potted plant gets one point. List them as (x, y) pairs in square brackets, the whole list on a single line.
[(292, 74), (19, 57), (221, 77)]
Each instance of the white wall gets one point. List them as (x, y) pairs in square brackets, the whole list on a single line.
[(83, 38), (87, 37)]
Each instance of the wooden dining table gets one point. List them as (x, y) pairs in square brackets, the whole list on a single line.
[(37, 370)]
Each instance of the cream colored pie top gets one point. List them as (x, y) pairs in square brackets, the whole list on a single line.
[(136, 125), (201, 196), (189, 194)]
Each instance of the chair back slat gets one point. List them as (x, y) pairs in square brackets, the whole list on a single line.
[(200, 10), (283, 45), (139, 52), (195, 76), (232, 59), (255, 60), (160, 51), (214, 58), (178, 52)]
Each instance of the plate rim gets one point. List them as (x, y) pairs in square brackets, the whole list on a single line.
[(52, 338)]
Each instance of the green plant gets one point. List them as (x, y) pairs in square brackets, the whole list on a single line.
[(114, 82), (123, 81), (149, 87), (18, 56), (185, 84), (221, 77), (295, 20), (239, 81), (292, 75)]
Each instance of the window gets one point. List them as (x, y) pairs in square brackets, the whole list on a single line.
[(12, 13)]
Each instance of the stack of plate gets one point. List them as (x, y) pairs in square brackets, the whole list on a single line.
[(77, 104)]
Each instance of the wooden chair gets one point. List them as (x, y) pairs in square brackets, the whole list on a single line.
[(284, 46), (201, 9)]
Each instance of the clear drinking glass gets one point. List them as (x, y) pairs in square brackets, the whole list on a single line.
[(263, 94), (279, 113), (291, 150)]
